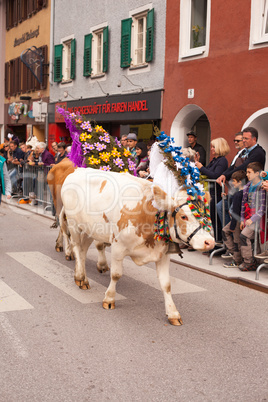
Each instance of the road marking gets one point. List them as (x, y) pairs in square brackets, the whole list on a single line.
[(60, 276), (148, 275), (10, 300), (13, 337)]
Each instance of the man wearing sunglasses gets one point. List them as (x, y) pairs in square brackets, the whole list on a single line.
[(253, 153), (248, 151)]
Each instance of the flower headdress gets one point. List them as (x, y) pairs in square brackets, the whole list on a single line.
[(185, 171), (94, 147)]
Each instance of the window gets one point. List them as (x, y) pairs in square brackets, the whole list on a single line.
[(137, 37), (96, 53), (259, 23), (19, 10), (65, 60), (194, 28), (19, 78)]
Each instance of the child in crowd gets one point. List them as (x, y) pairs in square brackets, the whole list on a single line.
[(231, 232), (250, 216)]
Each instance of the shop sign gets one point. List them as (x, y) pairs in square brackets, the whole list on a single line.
[(26, 36), (145, 106)]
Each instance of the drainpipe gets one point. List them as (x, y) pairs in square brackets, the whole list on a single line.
[(52, 23)]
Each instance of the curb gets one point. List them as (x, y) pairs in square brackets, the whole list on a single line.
[(240, 281)]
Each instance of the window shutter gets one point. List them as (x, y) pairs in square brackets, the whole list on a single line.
[(150, 35), (73, 57), (87, 55), (58, 63), (105, 50), (45, 67), (7, 15), (125, 42), (24, 78), (7, 93)]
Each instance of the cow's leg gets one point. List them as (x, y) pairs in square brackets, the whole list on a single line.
[(65, 234), (59, 242), (162, 268), (81, 243), (102, 262), (116, 273)]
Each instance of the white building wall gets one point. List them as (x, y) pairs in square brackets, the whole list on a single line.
[(76, 18)]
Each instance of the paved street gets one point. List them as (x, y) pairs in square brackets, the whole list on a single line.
[(59, 344)]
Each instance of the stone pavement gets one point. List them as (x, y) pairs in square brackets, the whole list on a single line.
[(193, 260)]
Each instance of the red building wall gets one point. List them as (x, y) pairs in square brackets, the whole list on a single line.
[(230, 84)]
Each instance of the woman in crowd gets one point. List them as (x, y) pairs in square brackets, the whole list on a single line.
[(5, 183), (143, 160), (219, 148)]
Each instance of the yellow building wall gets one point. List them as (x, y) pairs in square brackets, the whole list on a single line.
[(41, 19)]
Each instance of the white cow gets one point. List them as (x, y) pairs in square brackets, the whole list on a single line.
[(119, 209)]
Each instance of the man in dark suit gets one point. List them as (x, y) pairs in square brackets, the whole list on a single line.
[(254, 153)]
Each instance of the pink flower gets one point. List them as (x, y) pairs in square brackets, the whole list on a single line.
[(99, 146), (118, 162)]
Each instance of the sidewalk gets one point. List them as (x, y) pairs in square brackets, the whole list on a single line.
[(193, 260)]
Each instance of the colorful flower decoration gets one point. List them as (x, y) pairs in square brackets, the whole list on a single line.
[(183, 169), (94, 147)]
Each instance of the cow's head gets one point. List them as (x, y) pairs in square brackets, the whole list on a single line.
[(183, 224)]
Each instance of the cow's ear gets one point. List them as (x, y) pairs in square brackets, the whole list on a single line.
[(207, 196), (162, 201)]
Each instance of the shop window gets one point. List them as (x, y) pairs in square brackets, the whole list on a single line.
[(259, 23), (96, 52), (137, 38), (194, 28), (65, 61)]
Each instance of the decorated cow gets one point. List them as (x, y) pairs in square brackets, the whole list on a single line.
[(125, 212)]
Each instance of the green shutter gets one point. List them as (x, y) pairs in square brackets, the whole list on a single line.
[(150, 35), (126, 42), (58, 63), (105, 50), (87, 55), (73, 57)]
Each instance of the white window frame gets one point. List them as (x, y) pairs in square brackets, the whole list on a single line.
[(140, 12), (259, 17), (185, 51), (95, 31), (66, 59), (134, 40)]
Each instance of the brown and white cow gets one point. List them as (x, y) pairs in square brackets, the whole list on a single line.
[(120, 210), (55, 180)]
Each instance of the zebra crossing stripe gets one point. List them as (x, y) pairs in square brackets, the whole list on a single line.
[(10, 300), (60, 276)]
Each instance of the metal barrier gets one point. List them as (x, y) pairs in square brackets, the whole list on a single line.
[(35, 184), (257, 240), (216, 191), (15, 174), (257, 232)]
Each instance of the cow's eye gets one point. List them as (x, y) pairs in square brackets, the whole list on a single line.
[(184, 218)]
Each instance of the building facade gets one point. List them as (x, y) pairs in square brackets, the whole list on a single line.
[(27, 46), (215, 69), (108, 65)]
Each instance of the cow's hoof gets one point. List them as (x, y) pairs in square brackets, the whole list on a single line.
[(85, 286), (175, 321), (108, 306), (59, 249), (69, 257), (82, 285), (103, 268)]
